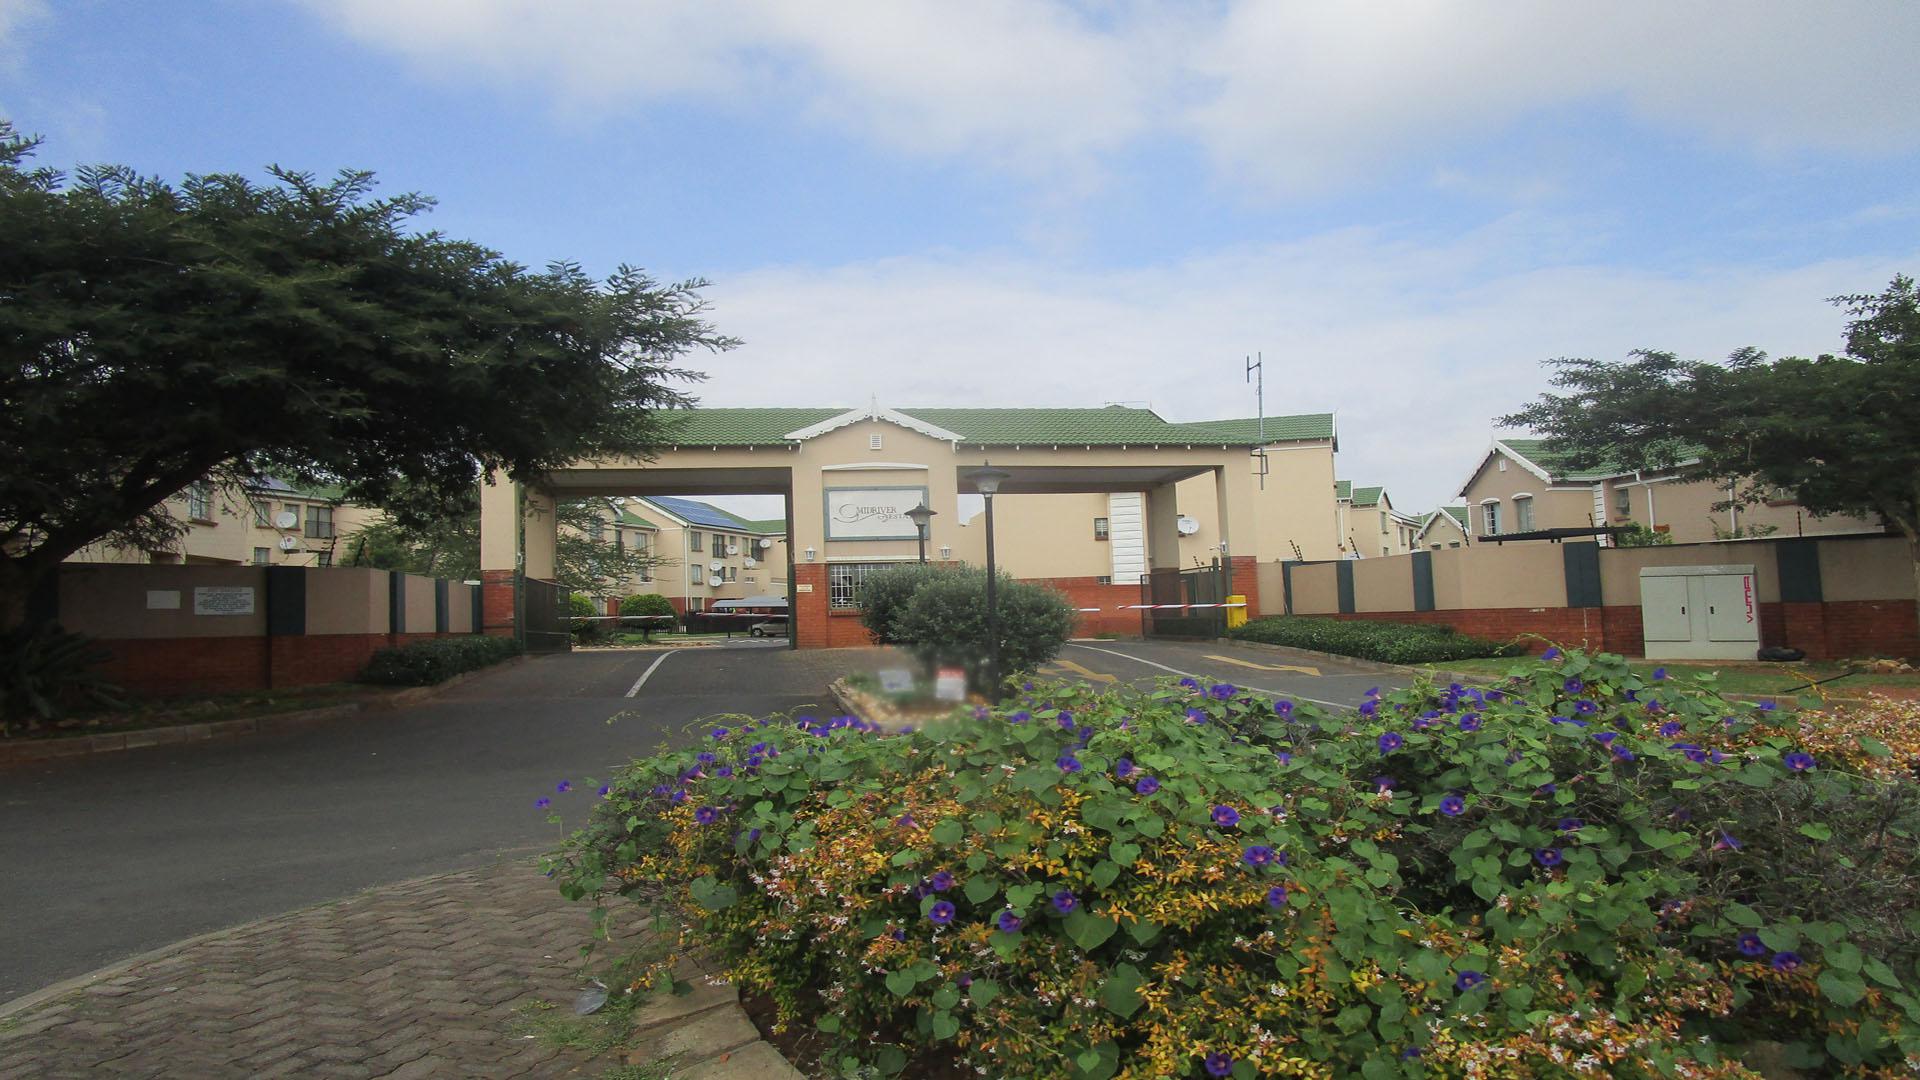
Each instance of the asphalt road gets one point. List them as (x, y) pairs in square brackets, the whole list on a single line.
[(106, 857), (102, 858)]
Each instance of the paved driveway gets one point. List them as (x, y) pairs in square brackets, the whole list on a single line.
[(1276, 674), (104, 857)]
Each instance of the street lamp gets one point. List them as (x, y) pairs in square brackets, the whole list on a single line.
[(921, 515), (987, 480)]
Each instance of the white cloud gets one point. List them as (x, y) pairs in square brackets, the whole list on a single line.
[(1284, 96), (1417, 347)]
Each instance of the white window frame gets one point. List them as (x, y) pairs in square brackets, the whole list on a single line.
[(1523, 512), (1490, 517)]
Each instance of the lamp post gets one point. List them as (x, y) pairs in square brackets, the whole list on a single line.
[(921, 515), (987, 480)]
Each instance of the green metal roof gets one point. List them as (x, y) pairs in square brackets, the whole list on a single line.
[(770, 526), (1343, 489), (1113, 425), (1457, 513), (737, 427), (1367, 496), (1278, 428), (628, 517), (1555, 465)]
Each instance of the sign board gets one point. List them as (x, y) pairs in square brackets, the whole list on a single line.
[(803, 587), (896, 680), (872, 513), (950, 684), (223, 600), (163, 599)]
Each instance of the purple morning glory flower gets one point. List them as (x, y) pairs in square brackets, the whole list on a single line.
[(897, 934), (1383, 783), (1585, 707), (604, 790), (1008, 922), (1123, 768), (1190, 683), (719, 733), (905, 821), (724, 772), (542, 803), (1546, 789), (1621, 753), (705, 757), (1470, 722), (1548, 857), (1573, 685), (1195, 716), (1068, 763), (1799, 761), (1605, 738), (1751, 944), (679, 796), (1225, 816), (706, 815), (1453, 806), (1552, 653), (1277, 896), (1726, 842), (1283, 707), (1769, 706), (941, 913), (1219, 1064), (1258, 855), (1786, 961), (1659, 673), (1570, 824), (1369, 707), (1283, 757), (753, 836), (1222, 691), (941, 881), (1019, 717), (1694, 753), (1147, 785), (1064, 902), (563, 786), (1390, 742), (1065, 720), (1468, 980)]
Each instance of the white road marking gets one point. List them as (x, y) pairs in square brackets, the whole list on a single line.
[(1192, 675), (648, 674)]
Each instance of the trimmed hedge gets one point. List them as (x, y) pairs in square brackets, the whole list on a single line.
[(424, 663), (1386, 642)]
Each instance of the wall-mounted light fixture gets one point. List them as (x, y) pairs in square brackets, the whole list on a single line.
[(810, 554)]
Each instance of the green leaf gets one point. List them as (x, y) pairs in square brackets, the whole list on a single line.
[(948, 832), (983, 991), (1843, 988), (1143, 931), (980, 888), (1088, 1059), (901, 983), (946, 997), (828, 1023), (944, 1025), (1124, 853), (1089, 931), (1104, 873), (1874, 746), (1121, 992), (1817, 830), (1742, 915)]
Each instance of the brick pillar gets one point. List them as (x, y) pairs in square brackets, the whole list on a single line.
[(496, 603), (1243, 577), (810, 601)]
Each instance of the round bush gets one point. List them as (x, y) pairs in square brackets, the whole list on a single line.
[(884, 595), (1579, 872), (945, 623), (646, 604)]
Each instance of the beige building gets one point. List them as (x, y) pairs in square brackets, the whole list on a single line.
[(1369, 526), (1519, 486), (1443, 528), (707, 554), (267, 523)]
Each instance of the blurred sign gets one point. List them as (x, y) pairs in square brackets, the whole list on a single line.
[(878, 513), (163, 599), (896, 680), (223, 600), (950, 684)]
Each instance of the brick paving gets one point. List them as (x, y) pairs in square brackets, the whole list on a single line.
[(419, 979)]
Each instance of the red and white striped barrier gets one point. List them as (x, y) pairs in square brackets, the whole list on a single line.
[(1158, 607)]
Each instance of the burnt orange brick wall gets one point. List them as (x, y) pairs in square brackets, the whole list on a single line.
[(496, 603), (1086, 592), (169, 666)]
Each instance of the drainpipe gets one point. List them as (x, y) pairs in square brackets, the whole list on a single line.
[(1733, 514)]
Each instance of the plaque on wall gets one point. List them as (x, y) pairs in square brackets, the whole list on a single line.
[(872, 513)]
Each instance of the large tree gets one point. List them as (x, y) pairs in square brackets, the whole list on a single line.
[(1841, 434), (153, 334), (588, 555)]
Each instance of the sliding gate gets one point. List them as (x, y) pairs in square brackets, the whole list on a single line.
[(1173, 595), (544, 622)]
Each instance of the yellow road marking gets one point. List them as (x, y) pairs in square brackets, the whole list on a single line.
[(1314, 671), (1068, 665)]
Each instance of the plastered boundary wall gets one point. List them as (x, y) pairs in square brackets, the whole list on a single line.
[(190, 629), (1834, 597)]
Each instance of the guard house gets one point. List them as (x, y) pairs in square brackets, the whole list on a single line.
[(849, 476)]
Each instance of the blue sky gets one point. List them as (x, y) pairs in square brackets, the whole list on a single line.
[(1405, 206)]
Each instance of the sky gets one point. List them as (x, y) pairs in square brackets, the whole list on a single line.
[(1403, 207)]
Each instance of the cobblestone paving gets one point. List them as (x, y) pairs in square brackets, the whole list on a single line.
[(419, 979)]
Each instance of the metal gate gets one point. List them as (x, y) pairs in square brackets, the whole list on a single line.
[(1199, 585), (543, 616)]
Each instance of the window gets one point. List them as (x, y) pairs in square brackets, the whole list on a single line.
[(1523, 513), (719, 544), (846, 580), (1622, 501), (324, 558), (262, 556), (697, 541), (1100, 528), (729, 573), (1103, 579), (200, 501), (320, 522), (262, 515), (873, 442), (597, 532), (1492, 518), (1383, 523)]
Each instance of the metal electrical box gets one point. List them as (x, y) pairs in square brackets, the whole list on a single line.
[(1699, 612)]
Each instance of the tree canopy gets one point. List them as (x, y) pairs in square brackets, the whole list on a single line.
[(154, 334), (1841, 434)]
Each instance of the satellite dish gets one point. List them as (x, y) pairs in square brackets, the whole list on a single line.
[(733, 549), (714, 565), (716, 581), (288, 543), (285, 519), (1186, 526), (766, 542), (751, 563)]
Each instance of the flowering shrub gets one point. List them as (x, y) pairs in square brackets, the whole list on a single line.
[(1370, 639), (1579, 873)]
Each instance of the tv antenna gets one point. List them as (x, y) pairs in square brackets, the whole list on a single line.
[(1257, 375)]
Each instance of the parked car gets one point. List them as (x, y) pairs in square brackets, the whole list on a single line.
[(769, 629)]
